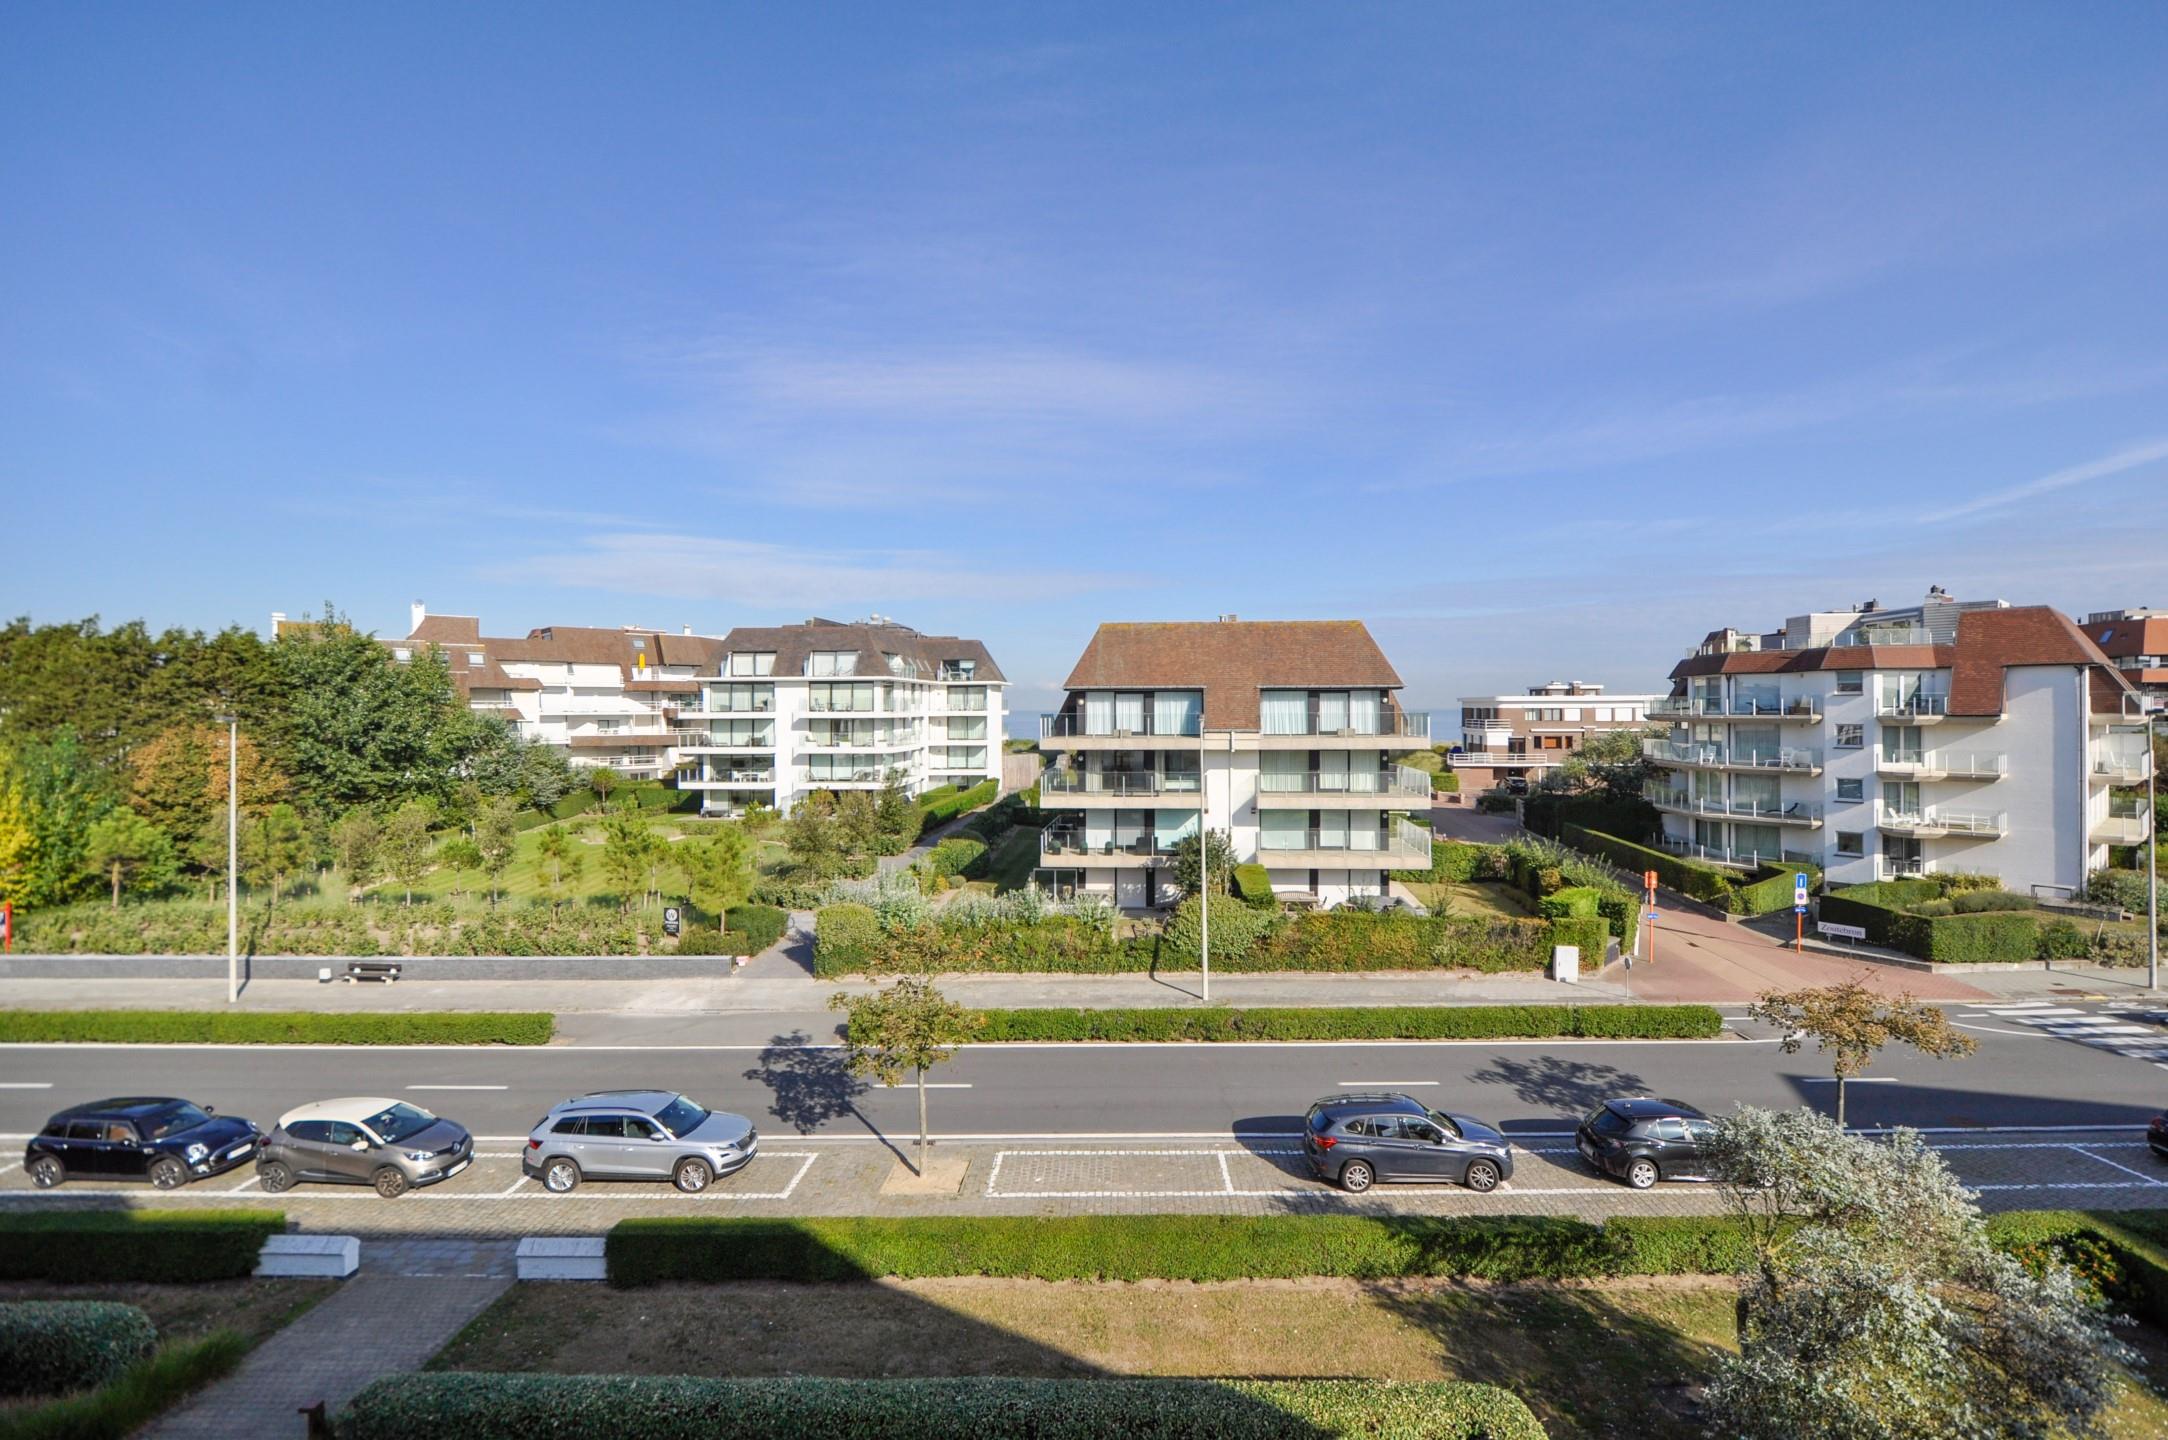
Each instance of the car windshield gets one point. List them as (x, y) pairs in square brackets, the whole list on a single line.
[(1606, 1121), (681, 1116), (172, 1122), (399, 1122), (1445, 1123)]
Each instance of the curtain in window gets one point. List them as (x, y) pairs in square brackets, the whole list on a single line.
[(1759, 840), (1759, 791), (1284, 830), (1755, 743), (1129, 712), (973, 728), (1336, 830), (1286, 712), (1098, 713), (1332, 712), (1175, 712), (1279, 772), (1366, 712)]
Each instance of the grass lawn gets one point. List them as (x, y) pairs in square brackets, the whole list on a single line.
[(1474, 897), (1013, 860), (1611, 1359), (253, 1308)]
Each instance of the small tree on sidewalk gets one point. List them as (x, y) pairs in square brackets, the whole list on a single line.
[(910, 1026), (1850, 1023)]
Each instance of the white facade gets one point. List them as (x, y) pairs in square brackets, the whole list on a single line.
[(1310, 793), (1528, 734), (1856, 762)]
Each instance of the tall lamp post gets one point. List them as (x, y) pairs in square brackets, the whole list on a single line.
[(2152, 857), (232, 722)]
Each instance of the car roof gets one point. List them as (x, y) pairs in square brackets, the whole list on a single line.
[(353, 1109), (1372, 1101), (121, 1106), (1646, 1107), (647, 1102)]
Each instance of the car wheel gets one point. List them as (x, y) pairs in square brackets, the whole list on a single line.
[(1642, 1174), (691, 1176), (1356, 1176), (274, 1178), (390, 1182), (167, 1174), (1482, 1176), (46, 1172), (560, 1175)]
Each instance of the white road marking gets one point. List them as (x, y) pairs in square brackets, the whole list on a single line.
[(1854, 1080), (458, 1087), (1385, 1084), (2148, 1179), (930, 1085), (26, 1085)]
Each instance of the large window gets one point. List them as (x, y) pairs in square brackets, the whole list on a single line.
[(971, 727), (837, 696), (1284, 829), (1176, 712), (832, 662), (1851, 789), (967, 697), (1129, 712), (1286, 712), (752, 662), (1851, 843)]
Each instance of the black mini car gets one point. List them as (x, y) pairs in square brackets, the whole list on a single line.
[(1643, 1141), (1357, 1140), (165, 1141)]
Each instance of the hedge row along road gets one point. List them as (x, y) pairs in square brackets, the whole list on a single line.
[(2020, 1077)]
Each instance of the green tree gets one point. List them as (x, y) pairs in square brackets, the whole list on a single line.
[(125, 847), (178, 780), (407, 844), (1608, 767), (62, 793), (602, 780), (277, 848), (554, 847), (496, 839), (357, 844), (1877, 1308), (718, 870), (459, 856), (857, 823), (1185, 864), (895, 818), (15, 842), (811, 835), (360, 727), (910, 1027), (627, 848), (545, 775), (1850, 1023)]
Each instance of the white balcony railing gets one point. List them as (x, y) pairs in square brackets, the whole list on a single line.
[(1794, 759), (1402, 781), (1745, 859), (1738, 707), (1777, 812), (1959, 764), (2119, 767), (1915, 707), (1938, 820)]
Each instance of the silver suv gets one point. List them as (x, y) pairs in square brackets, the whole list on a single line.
[(363, 1140), (637, 1135)]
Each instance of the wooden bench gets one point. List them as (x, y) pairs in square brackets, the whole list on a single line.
[(384, 970), (321, 1256), (562, 1257)]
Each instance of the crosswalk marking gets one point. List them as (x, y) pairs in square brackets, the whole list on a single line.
[(2109, 1030)]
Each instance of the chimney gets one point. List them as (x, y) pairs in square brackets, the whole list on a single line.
[(685, 629), (278, 619), (416, 613), (1229, 619)]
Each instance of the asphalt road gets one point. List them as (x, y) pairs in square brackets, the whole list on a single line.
[(2019, 1078)]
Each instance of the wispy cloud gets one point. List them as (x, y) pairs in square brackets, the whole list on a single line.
[(771, 576), (2132, 457)]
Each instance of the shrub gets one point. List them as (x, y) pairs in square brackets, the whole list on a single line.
[(1773, 889), (1237, 931), (1572, 900), (2124, 889), (845, 938), (1402, 1022), (2062, 940), (1445, 782), (125, 1405), (1451, 862), (1621, 914), (1253, 883), (155, 1246), (646, 1407), (1690, 878), (272, 1027), (945, 803), (1587, 934), (1995, 937), (48, 1347), (753, 928), (1979, 902), (955, 855)]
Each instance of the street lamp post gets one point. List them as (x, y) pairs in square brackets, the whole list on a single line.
[(1204, 869), (233, 856), (2152, 859)]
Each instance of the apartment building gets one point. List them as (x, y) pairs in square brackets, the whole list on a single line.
[(827, 705), (608, 698), (2137, 641), (1524, 737), (1878, 742), (1280, 733)]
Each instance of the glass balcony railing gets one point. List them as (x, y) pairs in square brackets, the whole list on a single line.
[(1059, 842), (1913, 706), (1963, 764), (1059, 781), (1738, 707), (1746, 859), (1796, 759), (1400, 782), (1393, 844), (1067, 726), (1764, 811), (1938, 820), (1390, 724)]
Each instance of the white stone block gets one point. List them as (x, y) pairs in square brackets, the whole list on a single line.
[(561, 1257), (335, 1256)]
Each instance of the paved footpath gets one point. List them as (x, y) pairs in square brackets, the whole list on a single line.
[(411, 1297)]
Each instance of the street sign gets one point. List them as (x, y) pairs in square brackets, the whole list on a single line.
[(671, 919), (1648, 878), (1650, 917), (1841, 932)]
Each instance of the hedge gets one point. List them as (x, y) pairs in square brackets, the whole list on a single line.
[(753, 928), (955, 855), (1253, 883), (1569, 902), (1588, 934), (125, 1405), (273, 1027), (1690, 878), (1452, 862), (1381, 1022), (49, 1347), (1983, 937), (1775, 889), (93, 1247), (180, 927), (845, 938), (937, 807), (480, 1406)]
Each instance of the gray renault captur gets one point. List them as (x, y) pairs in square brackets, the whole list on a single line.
[(637, 1135)]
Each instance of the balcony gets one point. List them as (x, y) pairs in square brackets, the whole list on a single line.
[(860, 777), (1935, 821), (1388, 725), (865, 742), (1890, 867), (1068, 844), (2125, 822), (2123, 767), (1736, 859), (1402, 786), (1792, 761), (1941, 764), (1154, 733), (1500, 759), (1806, 709), (1399, 846), (716, 707), (729, 780), (1760, 812), (1087, 787), (606, 739), (1922, 709)]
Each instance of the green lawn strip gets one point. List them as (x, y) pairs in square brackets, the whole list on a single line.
[(88, 1247), (146, 1390), (1012, 861), (1379, 1022), (485, 1406), (219, 1027)]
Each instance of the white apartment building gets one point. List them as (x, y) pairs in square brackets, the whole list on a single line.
[(1523, 737), (1280, 733), (608, 698), (788, 710), (1878, 743)]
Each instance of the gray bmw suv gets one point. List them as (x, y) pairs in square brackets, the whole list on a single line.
[(1358, 1140), (637, 1135)]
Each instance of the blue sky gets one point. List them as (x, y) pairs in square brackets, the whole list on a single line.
[(1544, 339)]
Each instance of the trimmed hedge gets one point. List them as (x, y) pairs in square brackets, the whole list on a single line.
[(481, 1406), (1253, 883), (272, 1027), (49, 1347), (845, 938), (1382, 1022), (95, 1247), (937, 807), (1982, 937), (955, 855), (1569, 902), (128, 1403), (753, 928), (1774, 890), (1452, 862), (1588, 934), (1691, 878)]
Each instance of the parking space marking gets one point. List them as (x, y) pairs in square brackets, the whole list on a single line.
[(26, 1084), (2088, 1154), (1386, 1084), (458, 1087)]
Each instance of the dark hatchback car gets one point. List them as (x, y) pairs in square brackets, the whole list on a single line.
[(1357, 1140), (165, 1141), (1643, 1141), (2156, 1135)]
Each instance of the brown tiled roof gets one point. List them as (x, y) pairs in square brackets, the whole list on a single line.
[(2130, 637), (791, 644), (448, 629), (685, 685), (1232, 660), (1826, 657)]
